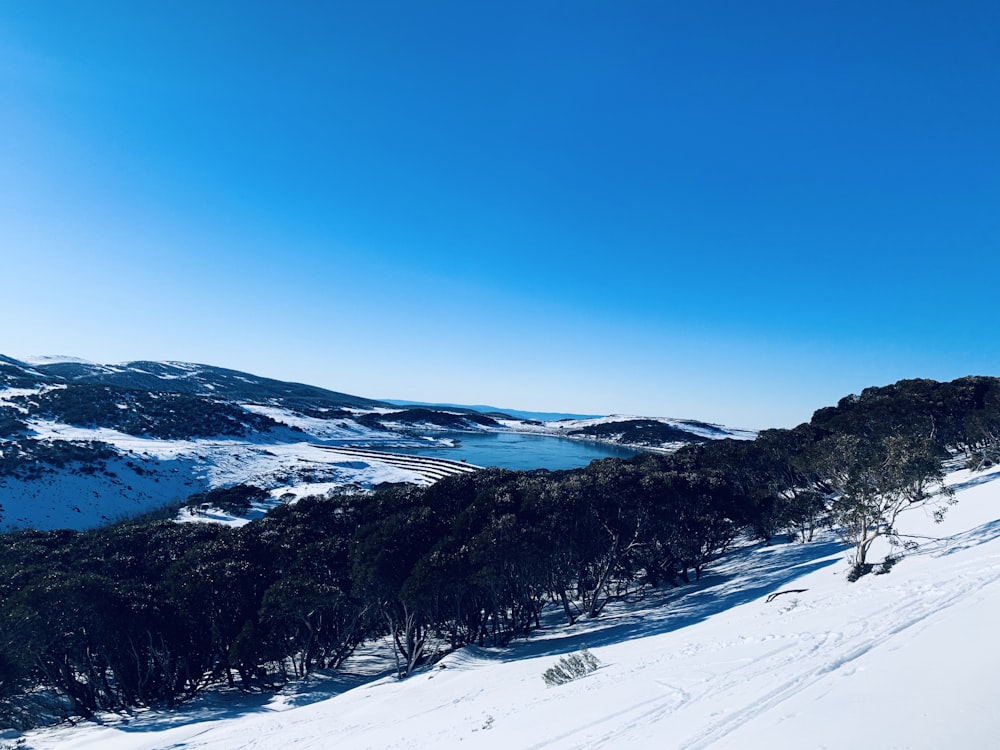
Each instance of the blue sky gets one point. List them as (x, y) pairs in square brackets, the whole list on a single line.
[(730, 211)]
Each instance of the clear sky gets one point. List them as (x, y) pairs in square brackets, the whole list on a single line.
[(732, 211)]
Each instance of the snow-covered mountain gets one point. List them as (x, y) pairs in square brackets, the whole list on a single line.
[(82, 443), (647, 432), (773, 649), (181, 377)]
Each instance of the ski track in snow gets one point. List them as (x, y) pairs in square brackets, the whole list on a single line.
[(809, 659), (836, 652)]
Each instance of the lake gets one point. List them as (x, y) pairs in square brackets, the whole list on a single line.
[(516, 451)]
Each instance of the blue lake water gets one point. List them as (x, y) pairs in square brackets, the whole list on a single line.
[(515, 451)]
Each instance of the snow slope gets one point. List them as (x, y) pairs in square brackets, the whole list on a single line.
[(149, 473), (904, 660)]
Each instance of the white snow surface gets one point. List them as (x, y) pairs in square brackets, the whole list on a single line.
[(54, 359), (904, 660), (149, 473)]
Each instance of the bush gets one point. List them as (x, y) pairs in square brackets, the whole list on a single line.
[(859, 570), (235, 500), (571, 667)]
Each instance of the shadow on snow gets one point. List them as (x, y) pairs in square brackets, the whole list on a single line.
[(949, 545), (741, 577), (744, 576), (215, 705)]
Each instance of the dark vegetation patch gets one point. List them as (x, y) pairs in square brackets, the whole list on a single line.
[(421, 416), (145, 413), (30, 459), (15, 374), (235, 500), (640, 432), (495, 415), (10, 422)]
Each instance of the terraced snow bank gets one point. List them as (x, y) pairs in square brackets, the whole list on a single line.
[(904, 660)]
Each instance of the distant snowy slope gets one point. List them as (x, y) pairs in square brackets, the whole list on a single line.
[(17, 374), (186, 377), (126, 475), (82, 443), (904, 660), (656, 433), (56, 359)]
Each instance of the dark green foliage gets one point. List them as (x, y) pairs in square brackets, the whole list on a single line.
[(859, 570), (12, 681), (146, 413), (871, 481), (29, 458), (476, 557), (310, 611), (878, 454), (427, 416), (640, 432), (962, 414), (10, 422), (235, 500), (149, 614), (16, 374)]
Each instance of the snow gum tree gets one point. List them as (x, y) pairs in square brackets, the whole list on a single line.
[(871, 481)]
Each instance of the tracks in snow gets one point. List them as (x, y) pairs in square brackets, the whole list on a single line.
[(841, 651), (795, 662)]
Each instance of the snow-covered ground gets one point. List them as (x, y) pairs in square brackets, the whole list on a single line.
[(150, 473), (904, 660)]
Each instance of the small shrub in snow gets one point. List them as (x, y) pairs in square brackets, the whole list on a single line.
[(859, 570), (571, 667)]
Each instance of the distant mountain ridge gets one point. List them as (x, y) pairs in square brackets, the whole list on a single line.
[(539, 416), (189, 378)]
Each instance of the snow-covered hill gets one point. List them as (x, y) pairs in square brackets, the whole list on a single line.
[(903, 660), (645, 432), (82, 444), (187, 377)]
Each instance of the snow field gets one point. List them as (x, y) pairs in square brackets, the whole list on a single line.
[(151, 473)]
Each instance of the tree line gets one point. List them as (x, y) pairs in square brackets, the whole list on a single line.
[(149, 614)]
